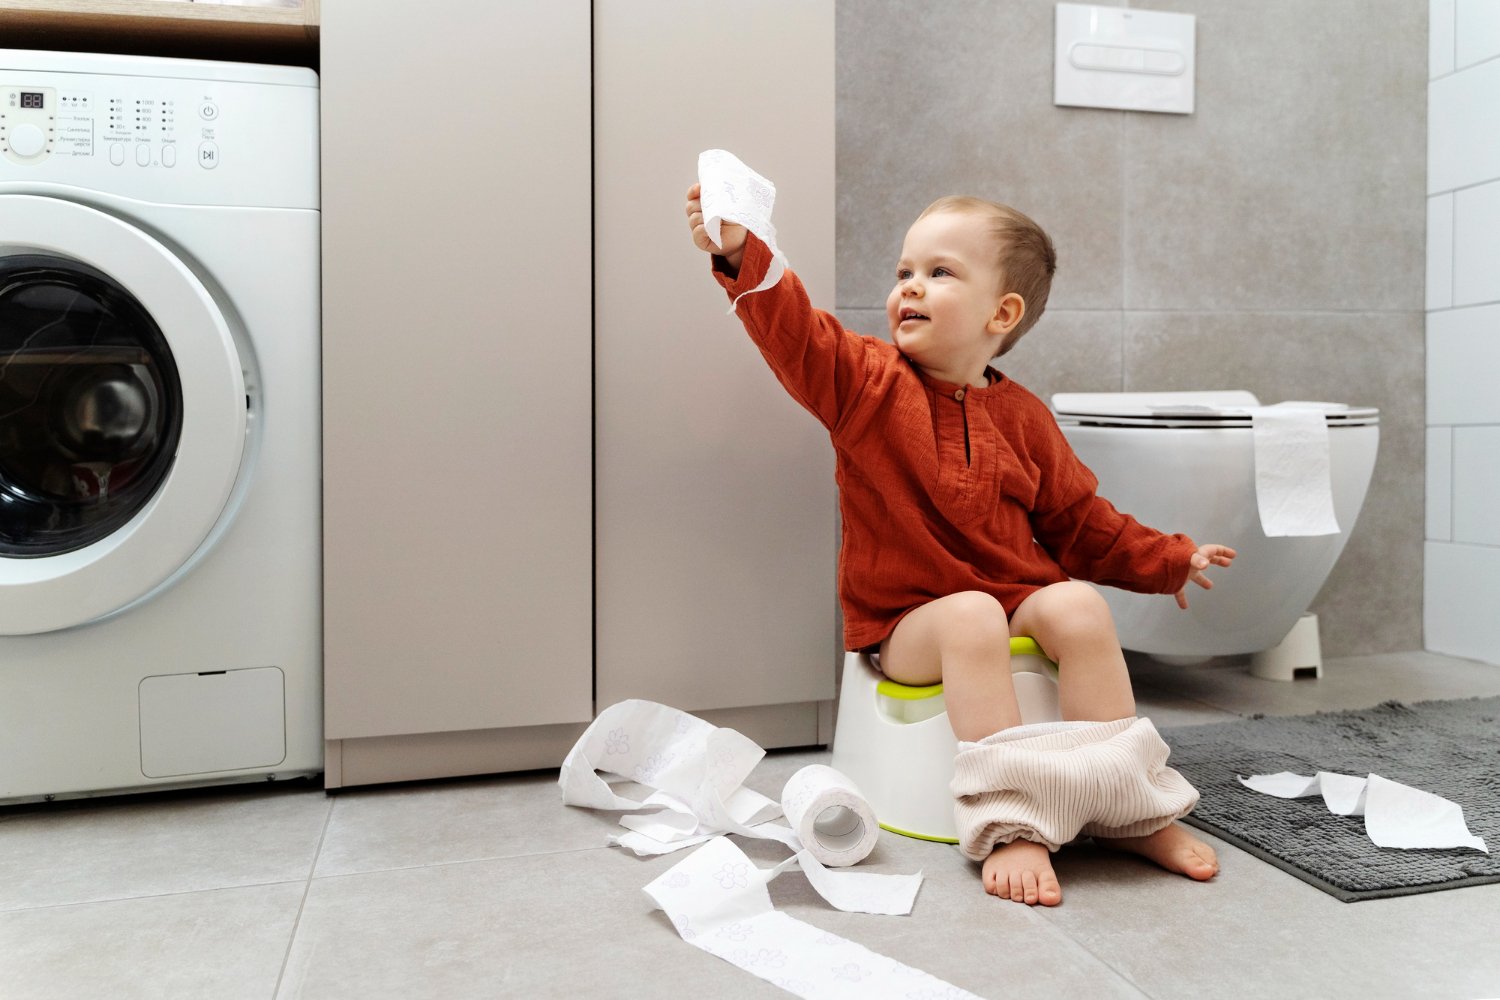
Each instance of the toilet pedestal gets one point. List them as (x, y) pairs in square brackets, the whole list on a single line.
[(1299, 655)]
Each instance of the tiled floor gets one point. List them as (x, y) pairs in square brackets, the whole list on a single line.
[(491, 888)]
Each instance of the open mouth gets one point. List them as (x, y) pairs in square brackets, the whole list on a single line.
[(911, 314)]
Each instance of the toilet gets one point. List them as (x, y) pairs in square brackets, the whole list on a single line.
[(1185, 462)]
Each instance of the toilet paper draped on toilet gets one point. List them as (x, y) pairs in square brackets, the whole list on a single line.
[(1293, 472)]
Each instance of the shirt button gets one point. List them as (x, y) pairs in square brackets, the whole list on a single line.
[(959, 395)]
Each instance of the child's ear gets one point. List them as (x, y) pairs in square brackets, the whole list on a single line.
[(1008, 312)]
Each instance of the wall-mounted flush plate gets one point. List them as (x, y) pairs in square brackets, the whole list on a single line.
[(1124, 58)]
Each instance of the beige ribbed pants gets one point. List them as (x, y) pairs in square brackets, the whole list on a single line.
[(1050, 782)]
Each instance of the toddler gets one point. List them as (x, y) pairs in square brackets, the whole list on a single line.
[(967, 519)]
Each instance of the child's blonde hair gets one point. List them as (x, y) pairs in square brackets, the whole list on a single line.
[(1027, 260)]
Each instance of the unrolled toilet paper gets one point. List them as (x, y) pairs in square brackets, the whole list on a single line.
[(717, 900), (716, 897), (1396, 815), (696, 770), (732, 192), (1293, 473)]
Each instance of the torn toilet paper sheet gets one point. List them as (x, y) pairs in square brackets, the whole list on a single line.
[(717, 900), (696, 770), (732, 192), (1396, 815), (1293, 474)]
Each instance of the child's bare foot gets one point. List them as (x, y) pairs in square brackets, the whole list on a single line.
[(1022, 871), (1173, 848)]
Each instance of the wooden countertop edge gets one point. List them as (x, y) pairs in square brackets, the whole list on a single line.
[(209, 22)]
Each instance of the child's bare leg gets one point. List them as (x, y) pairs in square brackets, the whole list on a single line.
[(1072, 623), (963, 640)]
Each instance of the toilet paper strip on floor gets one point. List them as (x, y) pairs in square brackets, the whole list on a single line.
[(732, 192), (717, 897), (1396, 815)]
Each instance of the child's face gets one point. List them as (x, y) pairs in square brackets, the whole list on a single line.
[(944, 311)]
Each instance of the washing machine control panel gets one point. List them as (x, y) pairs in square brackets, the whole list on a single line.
[(180, 140)]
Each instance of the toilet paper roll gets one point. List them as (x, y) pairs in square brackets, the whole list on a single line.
[(1293, 474), (732, 192), (829, 815)]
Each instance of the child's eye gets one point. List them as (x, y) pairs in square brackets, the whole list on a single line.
[(902, 274), (940, 271)]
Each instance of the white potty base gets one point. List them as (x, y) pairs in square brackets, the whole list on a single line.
[(896, 744), (1300, 654)]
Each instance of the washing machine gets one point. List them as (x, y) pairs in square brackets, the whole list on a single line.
[(160, 591)]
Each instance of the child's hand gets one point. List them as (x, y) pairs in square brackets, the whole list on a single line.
[(733, 250), (1206, 556)]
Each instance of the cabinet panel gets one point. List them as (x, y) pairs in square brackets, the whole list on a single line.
[(716, 506), (457, 359)]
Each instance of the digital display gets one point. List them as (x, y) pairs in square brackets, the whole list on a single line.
[(31, 100)]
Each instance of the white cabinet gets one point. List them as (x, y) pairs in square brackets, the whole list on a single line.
[(716, 507), (537, 413)]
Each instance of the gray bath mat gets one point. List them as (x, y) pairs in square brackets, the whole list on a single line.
[(1450, 748)]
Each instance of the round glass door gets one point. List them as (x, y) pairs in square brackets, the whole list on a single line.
[(123, 414), (90, 406)]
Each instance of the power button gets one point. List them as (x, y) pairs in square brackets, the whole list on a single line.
[(208, 111)]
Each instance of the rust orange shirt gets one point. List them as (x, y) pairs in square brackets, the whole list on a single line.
[(942, 488)]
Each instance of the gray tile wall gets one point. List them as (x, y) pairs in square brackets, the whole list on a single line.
[(1272, 241)]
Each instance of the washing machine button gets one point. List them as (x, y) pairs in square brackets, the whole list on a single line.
[(117, 153), (27, 140), (208, 155), (169, 156), (143, 154)]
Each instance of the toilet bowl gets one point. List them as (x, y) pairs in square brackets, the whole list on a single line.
[(1185, 462)]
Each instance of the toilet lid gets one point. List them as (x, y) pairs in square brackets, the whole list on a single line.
[(1220, 408)]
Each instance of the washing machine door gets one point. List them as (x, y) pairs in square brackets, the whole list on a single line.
[(122, 414)]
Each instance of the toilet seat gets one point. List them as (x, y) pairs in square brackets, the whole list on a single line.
[(1214, 409)]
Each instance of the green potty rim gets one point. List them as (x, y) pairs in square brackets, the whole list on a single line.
[(1020, 645)]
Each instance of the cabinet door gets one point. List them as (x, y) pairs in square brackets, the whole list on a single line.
[(715, 494), (457, 358)]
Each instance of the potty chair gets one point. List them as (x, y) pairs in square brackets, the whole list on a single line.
[(896, 744)]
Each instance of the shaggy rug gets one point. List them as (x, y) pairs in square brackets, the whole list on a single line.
[(1450, 748)]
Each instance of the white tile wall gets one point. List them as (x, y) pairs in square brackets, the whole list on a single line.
[(1459, 600), (1439, 484), (1463, 362), (1476, 485), (1461, 572), (1477, 23), (1440, 251), (1476, 243), (1463, 128), (1440, 38)]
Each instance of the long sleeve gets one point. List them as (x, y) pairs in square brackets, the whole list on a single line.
[(820, 363), (1089, 538)]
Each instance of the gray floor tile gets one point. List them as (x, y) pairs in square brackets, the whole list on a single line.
[(76, 852), (1255, 931), (1350, 682), (454, 821), (567, 925), (225, 944)]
